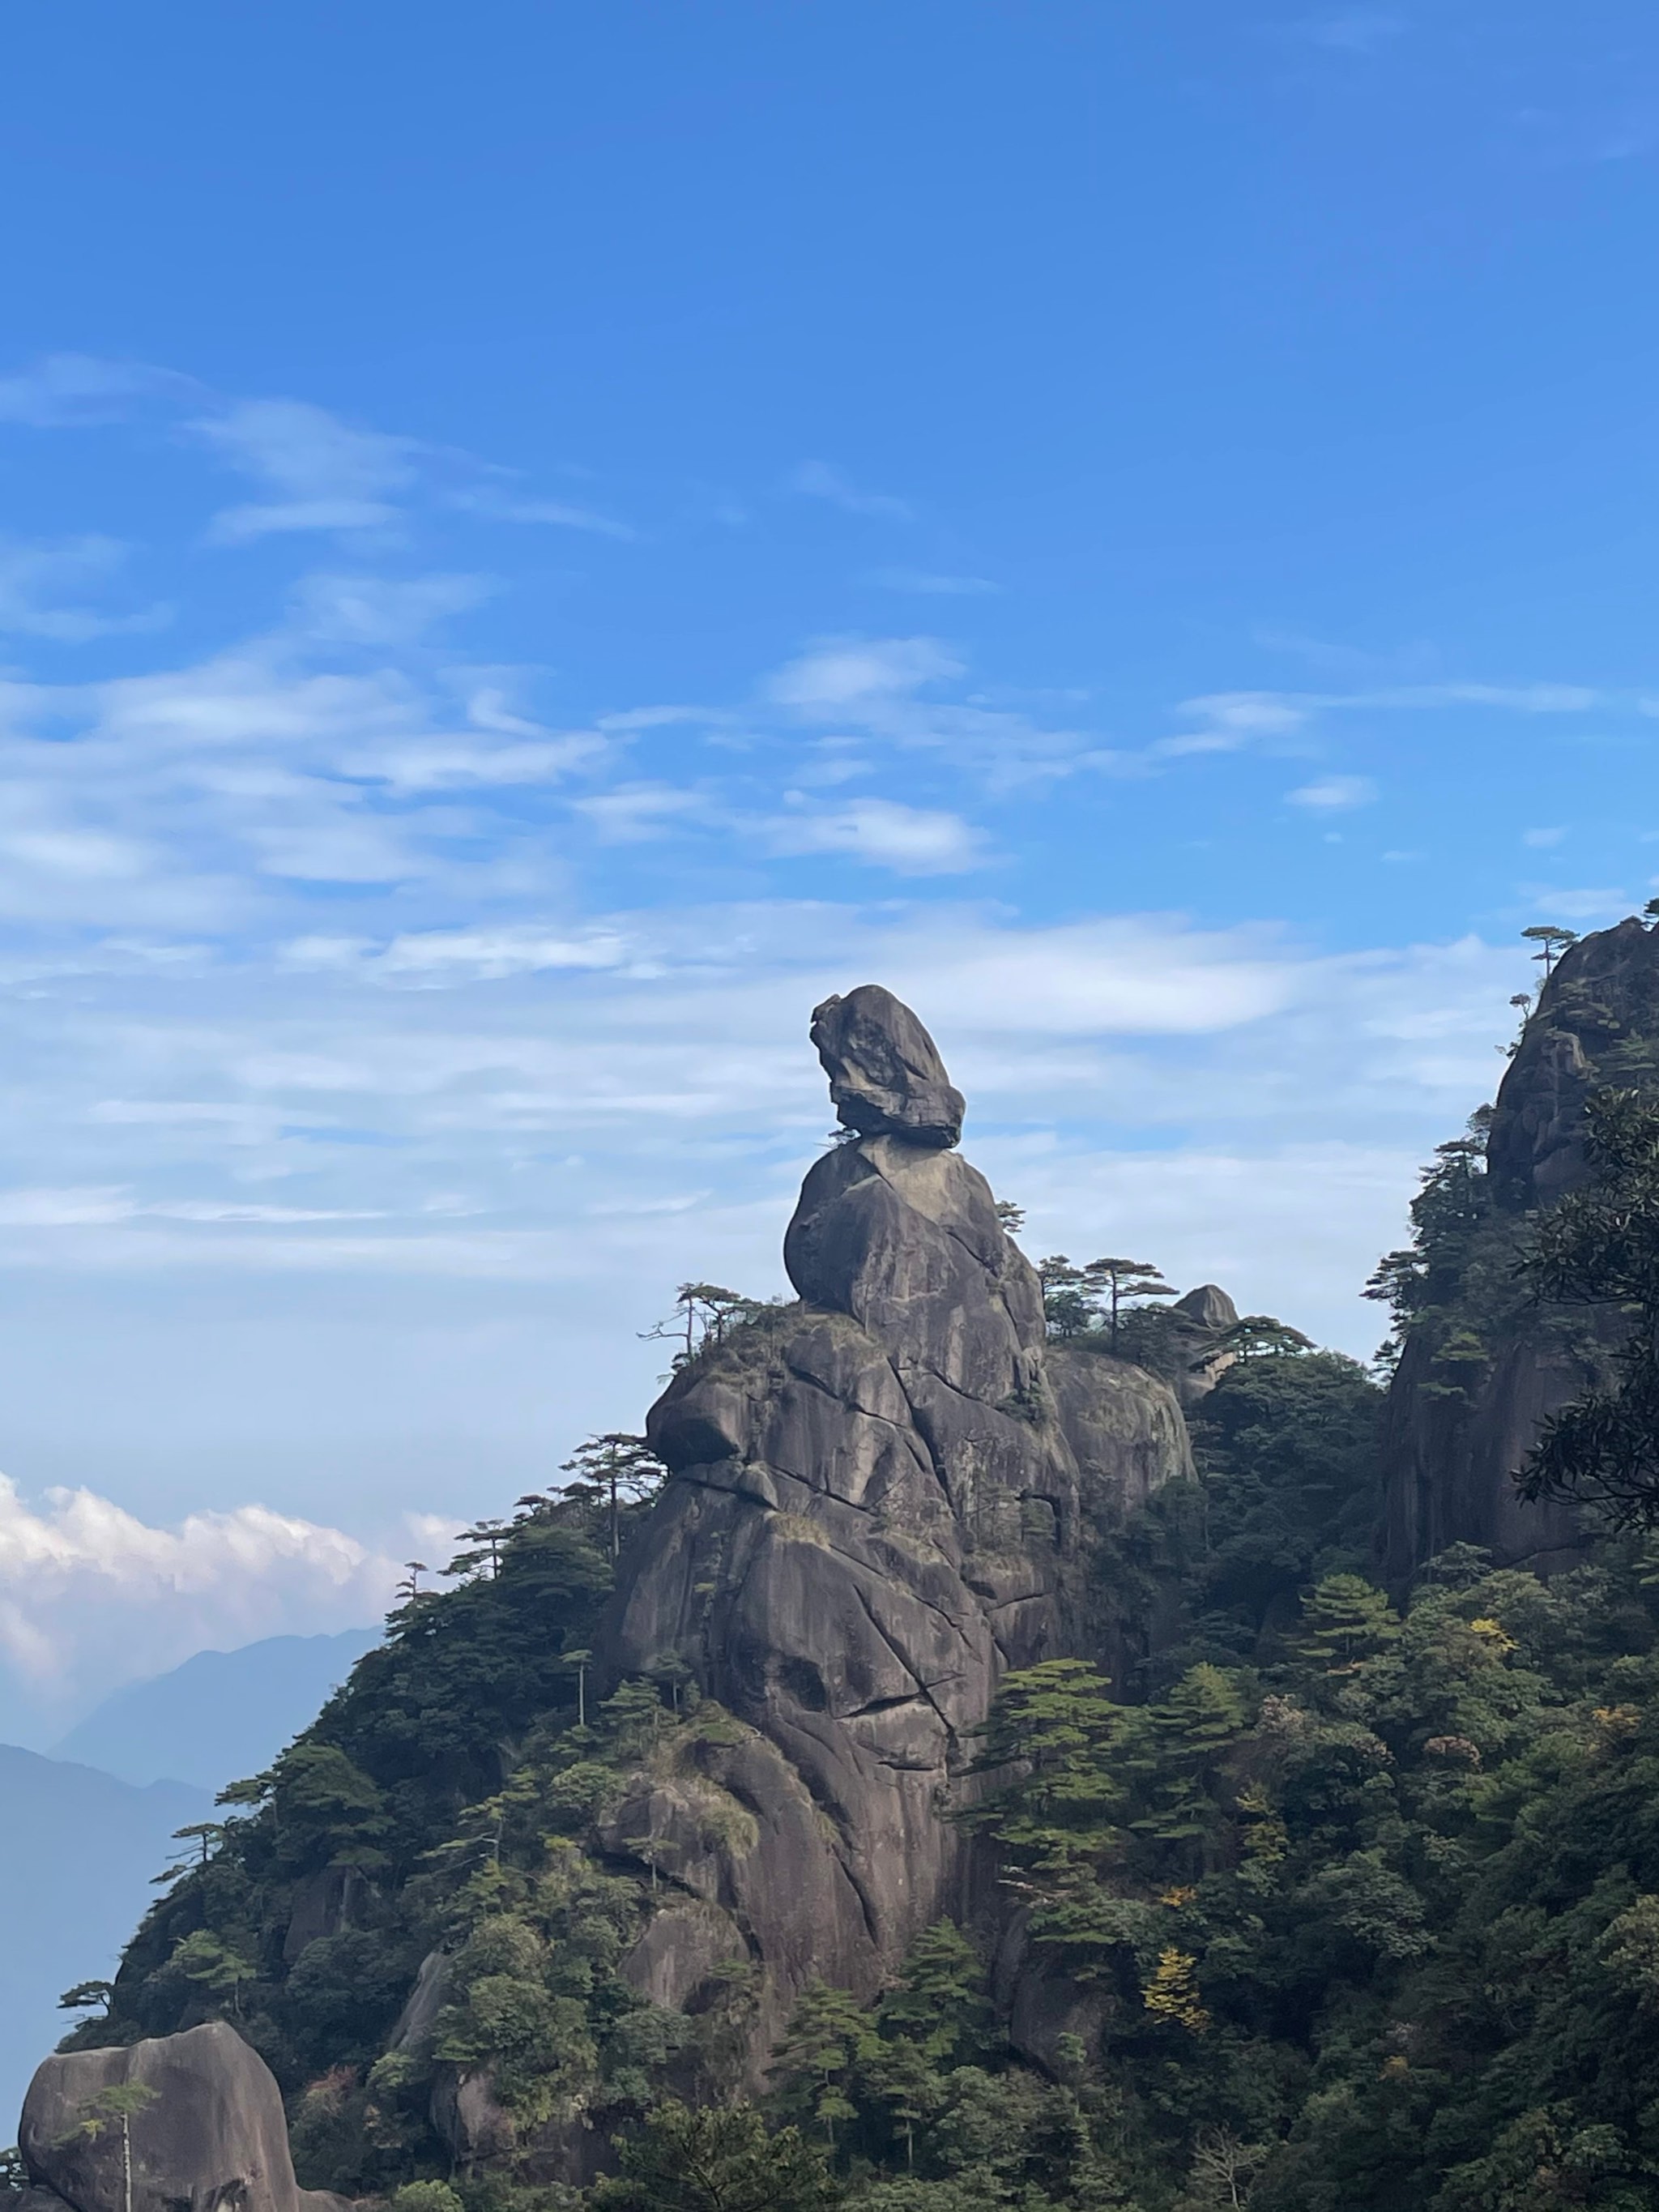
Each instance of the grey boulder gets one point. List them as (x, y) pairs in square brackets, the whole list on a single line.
[(211, 2135), (886, 1078)]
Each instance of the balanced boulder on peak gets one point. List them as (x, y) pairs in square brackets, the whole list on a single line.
[(886, 1078)]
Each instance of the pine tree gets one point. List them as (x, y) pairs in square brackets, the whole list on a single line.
[(1057, 1720), (1120, 1283), (1552, 942), (115, 2106), (818, 2060), (1185, 1738), (610, 1471), (902, 2078), (1346, 1620), (1056, 1820), (705, 1314), (1067, 1306), (1254, 1336), (940, 1998), (714, 2159), (219, 1967)]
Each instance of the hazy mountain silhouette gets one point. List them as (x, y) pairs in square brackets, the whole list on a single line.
[(77, 1849), (220, 1715)]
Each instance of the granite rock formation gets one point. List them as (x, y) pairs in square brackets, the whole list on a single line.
[(1201, 1319), (212, 2134), (881, 1497), (1452, 1446), (886, 1079)]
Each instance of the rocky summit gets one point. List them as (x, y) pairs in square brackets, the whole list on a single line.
[(879, 1500)]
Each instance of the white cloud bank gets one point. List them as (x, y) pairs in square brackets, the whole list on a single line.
[(91, 1596)]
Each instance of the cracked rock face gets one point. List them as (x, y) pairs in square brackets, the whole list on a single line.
[(880, 1500)]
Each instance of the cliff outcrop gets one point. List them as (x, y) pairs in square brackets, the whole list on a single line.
[(880, 1500), (1481, 1367)]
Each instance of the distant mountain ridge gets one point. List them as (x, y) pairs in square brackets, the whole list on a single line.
[(77, 1849), (219, 1715)]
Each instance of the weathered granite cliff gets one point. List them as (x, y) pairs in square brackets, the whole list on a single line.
[(880, 1500), (1482, 1370)]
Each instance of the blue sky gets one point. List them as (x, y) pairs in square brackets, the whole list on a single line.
[(534, 545)]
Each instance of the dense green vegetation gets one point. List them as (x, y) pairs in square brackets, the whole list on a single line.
[(1286, 1447), (432, 1795), (1600, 1248), (1371, 1923)]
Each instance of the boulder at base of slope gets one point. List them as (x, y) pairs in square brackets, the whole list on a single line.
[(211, 2134)]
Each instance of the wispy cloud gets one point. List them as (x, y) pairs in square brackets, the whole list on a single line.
[(431, 765), (915, 841), (502, 506), (1225, 721), (1287, 721), (460, 955), (852, 672), (99, 1206), (326, 475), (1347, 30), (380, 611), (1334, 794), (931, 585), (36, 581), (1594, 904), (74, 391), (1516, 698), (635, 811), (318, 472), (886, 689), (819, 480)]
